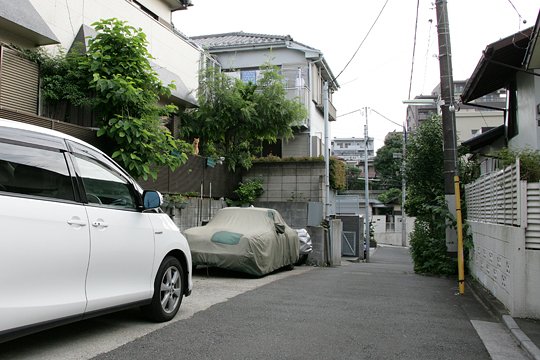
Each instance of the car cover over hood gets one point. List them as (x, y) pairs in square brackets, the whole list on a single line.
[(256, 241)]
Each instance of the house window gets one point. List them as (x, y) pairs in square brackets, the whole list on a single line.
[(145, 9), (249, 76)]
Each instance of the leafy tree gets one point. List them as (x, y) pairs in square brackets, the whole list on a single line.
[(424, 168), (115, 77), (391, 196), (387, 167), (337, 174), (234, 118), (127, 91), (426, 200), (353, 178)]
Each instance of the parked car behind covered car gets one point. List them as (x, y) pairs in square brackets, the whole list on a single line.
[(256, 241), (79, 236)]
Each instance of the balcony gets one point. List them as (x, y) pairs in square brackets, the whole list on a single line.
[(331, 110), (300, 94)]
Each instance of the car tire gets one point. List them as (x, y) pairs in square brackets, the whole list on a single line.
[(289, 267), (302, 259), (168, 291)]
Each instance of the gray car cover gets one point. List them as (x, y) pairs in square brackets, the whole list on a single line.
[(252, 240)]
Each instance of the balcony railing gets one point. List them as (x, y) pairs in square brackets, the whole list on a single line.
[(300, 94)]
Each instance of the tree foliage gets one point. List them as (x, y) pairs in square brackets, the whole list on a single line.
[(388, 167), (426, 199), (424, 168), (337, 175), (115, 77), (529, 160), (234, 118)]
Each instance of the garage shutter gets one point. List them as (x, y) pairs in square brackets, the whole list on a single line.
[(19, 82)]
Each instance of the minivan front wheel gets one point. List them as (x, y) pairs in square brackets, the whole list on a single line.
[(168, 291)]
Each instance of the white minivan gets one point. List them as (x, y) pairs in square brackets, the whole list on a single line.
[(79, 237)]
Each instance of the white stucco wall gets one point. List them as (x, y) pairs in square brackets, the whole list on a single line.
[(532, 284), (498, 261), (467, 121), (169, 50), (527, 99)]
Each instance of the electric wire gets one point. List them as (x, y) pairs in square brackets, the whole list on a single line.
[(361, 43), (517, 12), (386, 118), (414, 47), (350, 112), (426, 60)]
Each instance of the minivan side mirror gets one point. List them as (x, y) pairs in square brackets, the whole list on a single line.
[(152, 199)]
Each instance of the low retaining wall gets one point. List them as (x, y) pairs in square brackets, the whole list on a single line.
[(499, 262)]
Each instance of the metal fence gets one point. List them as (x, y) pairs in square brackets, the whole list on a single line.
[(496, 198)]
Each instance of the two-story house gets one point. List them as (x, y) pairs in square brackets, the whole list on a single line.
[(502, 207), (30, 24), (304, 68)]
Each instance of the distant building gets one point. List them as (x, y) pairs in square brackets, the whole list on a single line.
[(352, 151), (472, 119)]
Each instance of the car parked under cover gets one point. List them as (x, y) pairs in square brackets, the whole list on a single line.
[(256, 241)]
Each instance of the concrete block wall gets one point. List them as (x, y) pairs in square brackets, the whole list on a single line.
[(498, 262), (300, 181), (295, 214), (318, 236), (326, 244)]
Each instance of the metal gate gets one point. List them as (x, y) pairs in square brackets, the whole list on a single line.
[(352, 235), (349, 245)]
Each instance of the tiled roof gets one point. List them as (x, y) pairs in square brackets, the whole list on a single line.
[(240, 39)]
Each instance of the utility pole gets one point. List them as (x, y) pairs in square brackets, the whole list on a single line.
[(366, 184), (403, 189), (326, 211), (448, 116)]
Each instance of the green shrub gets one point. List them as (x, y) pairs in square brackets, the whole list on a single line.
[(529, 160), (248, 191), (428, 250)]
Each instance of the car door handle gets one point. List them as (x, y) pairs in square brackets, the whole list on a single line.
[(100, 224), (76, 221)]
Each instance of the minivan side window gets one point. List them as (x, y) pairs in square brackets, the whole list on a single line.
[(104, 186), (34, 171)]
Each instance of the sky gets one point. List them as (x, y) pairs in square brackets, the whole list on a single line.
[(379, 75)]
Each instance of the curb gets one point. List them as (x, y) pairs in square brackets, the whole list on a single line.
[(497, 309), (532, 350)]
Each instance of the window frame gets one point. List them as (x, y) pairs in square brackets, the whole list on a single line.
[(77, 149), (43, 142)]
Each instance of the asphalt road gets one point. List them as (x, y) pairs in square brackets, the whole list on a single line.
[(378, 310)]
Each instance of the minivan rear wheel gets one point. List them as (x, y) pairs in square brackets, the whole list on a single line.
[(168, 291)]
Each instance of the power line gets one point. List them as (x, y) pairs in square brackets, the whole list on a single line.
[(392, 121), (359, 46), (350, 112)]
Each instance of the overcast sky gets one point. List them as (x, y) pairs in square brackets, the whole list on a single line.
[(378, 77)]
